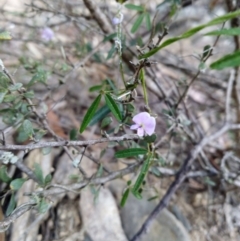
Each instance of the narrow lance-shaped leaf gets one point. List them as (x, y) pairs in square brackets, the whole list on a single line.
[(148, 21), (230, 60), (141, 175), (90, 113), (11, 205), (224, 31), (113, 107), (73, 134), (191, 32), (124, 197), (134, 7), (137, 23), (130, 152), (100, 114), (95, 88), (109, 37)]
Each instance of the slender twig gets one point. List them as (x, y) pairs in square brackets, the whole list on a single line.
[(33, 146), (99, 16), (228, 95), (92, 181), (20, 165), (15, 215)]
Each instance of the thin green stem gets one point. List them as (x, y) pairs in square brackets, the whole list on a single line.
[(142, 77)]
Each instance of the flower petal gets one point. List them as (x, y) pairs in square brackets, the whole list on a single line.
[(47, 34), (134, 127), (140, 131), (149, 126), (141, 118)]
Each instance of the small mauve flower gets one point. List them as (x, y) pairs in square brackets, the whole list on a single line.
[(144, 124), (47, 34), (117, 20)]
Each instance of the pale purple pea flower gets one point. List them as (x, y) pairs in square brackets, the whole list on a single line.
[(144, 124), (117, 20), (47, 34)]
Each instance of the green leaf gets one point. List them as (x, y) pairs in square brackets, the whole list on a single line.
[(22, 136), (224, 18), (27, 127), (9, 98), (191, 32), (40, 76), (73, 134), (39, 133), (15, 87), (99, 115), (230, 60), (39, 174), (16, 184), (210, 182), (95, 88), (46, 150), (100, 171), (4, 175), (202, 66), (206, 51), (124, 197), (111, 84), (43, 206), (135, 7), (106, 121), (224, 31), (141, 175), (130, 152), (121, 1), (48, 179), (5, 36), (11, 205), (137, 23), (4, 81), (109, 37), (2, 95), (90, 113), (150, 139), (153, 198), (148, 21), (113, 107), (111, 52), (137, 195), (156, 172), (29, 94)]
